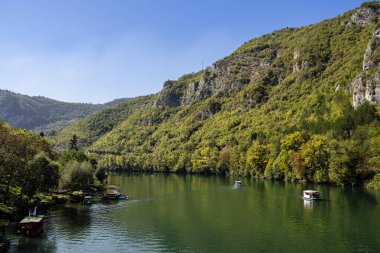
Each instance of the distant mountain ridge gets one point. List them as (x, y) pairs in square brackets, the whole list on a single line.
[(44, 114)]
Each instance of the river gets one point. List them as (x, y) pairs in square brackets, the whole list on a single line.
[(187, 213)]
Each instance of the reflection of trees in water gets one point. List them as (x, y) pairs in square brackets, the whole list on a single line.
[(35, 244), (70, 221)]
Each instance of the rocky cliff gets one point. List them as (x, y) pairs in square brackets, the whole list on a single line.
[(366, 86)]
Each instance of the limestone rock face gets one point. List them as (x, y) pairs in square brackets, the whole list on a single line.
[(366, 90), (170, 95), (366, 86), (300, 66), (364, 16), (190, 93), (373, 45), (220, 79)]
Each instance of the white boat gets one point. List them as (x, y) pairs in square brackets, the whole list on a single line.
[(311, 195), (238, 184)]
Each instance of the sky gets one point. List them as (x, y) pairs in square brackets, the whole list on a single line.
[(95, 51)]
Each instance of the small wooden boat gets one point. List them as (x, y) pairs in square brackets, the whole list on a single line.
[(32, 225), (77, 196), (122, 197), (311, 195), (87, 200), (111, 192)]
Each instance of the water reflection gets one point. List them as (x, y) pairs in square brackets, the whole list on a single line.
[(38, 244), (308, 204)]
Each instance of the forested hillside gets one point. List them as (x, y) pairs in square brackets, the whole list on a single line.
[(43, 114), (295, 104)]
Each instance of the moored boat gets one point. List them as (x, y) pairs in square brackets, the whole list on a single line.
[(111, 192), (122, 197), (238, 184), (32, 225), (311, 195), (87, 200)]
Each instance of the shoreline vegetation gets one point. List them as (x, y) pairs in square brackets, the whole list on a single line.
[(31, 169)]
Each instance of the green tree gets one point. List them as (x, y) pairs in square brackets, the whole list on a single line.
[(101, 173), (257, 159), (316, 154), (73, 144), (223, 165), (77, 176), (42, 175), (204, 159)]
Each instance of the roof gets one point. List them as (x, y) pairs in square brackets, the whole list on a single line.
[(112, 187), (32, 219), (311, 191)]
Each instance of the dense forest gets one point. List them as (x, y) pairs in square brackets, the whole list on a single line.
[(297, 104)]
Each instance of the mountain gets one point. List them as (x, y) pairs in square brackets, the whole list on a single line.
[(295, 104), (43, 114)]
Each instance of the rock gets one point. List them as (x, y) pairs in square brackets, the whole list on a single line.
[(296, 55), (364, 16), (264, 64), (305, 65), (222, 78), (372, 46), (190, 93), (296, 68), (300, 66), (368, 88), (170, 95), (357, 89)]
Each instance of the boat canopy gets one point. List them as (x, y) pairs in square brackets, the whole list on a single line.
[(112, 187), (32, 219), (311, 191)]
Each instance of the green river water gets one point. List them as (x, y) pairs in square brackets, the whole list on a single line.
[(184, 213)]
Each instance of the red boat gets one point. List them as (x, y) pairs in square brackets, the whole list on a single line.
[(32, 225)]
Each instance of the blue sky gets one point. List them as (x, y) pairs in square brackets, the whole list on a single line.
[(97, 50)]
